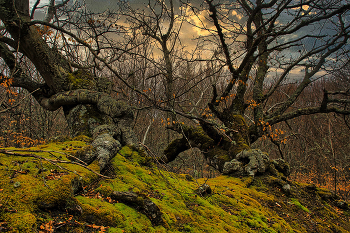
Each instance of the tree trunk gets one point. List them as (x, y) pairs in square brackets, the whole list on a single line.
[(86, 101), (218, 145)]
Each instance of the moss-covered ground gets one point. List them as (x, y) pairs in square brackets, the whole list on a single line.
[(37, 196)]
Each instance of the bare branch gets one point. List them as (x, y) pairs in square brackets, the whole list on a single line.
[(52, 161), (304, 112)]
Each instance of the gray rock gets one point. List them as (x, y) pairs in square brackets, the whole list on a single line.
[(234, 167), (17, 184), (247, 163), (286, 188), (106, 148), (342, 205), (107, 142), (282, 166), (254, 161), (204, 190)]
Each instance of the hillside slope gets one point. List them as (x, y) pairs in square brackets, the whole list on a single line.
[(38, 196)]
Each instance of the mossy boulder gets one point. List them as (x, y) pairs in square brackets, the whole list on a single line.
[(83, 119), (83, 79), (247, 163)]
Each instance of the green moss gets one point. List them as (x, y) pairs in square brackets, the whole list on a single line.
[(81, 80), (83, 138), (40, 191), (82, 119), (136, 155), (21, 222), (236, 205), (297, 203), (99, 212)]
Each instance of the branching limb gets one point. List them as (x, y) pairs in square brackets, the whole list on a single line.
[(20, 79), (34, 9), (229, 63), (50, 151), (192, 137), (18, 102), (142, 204), (52, 161), (308, 74), (306, 111), (103, 101)]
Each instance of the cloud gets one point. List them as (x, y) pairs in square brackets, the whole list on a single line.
[(237, 14), (199, 21)]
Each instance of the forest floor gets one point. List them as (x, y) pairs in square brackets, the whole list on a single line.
[(40, 193)]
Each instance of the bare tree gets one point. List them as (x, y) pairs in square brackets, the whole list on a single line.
[(264, 45), (256, 48), (62, 47), (68, 48)]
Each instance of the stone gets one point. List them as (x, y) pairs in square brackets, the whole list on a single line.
[(282, 166), (234, 167), (286, 188), (247, 163), (189, 178), (254, 161), (106, 148), (17, 184), (342, 205), (204, 190)]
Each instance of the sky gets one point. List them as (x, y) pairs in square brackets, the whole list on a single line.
[(187, 34)]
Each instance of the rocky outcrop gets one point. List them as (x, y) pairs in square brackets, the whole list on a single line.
[(254, 162), (105, 145), (247, 163)]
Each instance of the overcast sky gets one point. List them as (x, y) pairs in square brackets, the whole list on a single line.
[(187, 33)]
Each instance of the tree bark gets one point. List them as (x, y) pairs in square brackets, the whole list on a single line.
[(218, 146), (86, 101), (142, 204)]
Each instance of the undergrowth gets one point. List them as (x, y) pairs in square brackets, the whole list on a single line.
[(38, 196)]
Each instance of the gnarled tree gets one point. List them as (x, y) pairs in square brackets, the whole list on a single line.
[(264, 45), (88, 106), (85, 98), (251, 40)]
